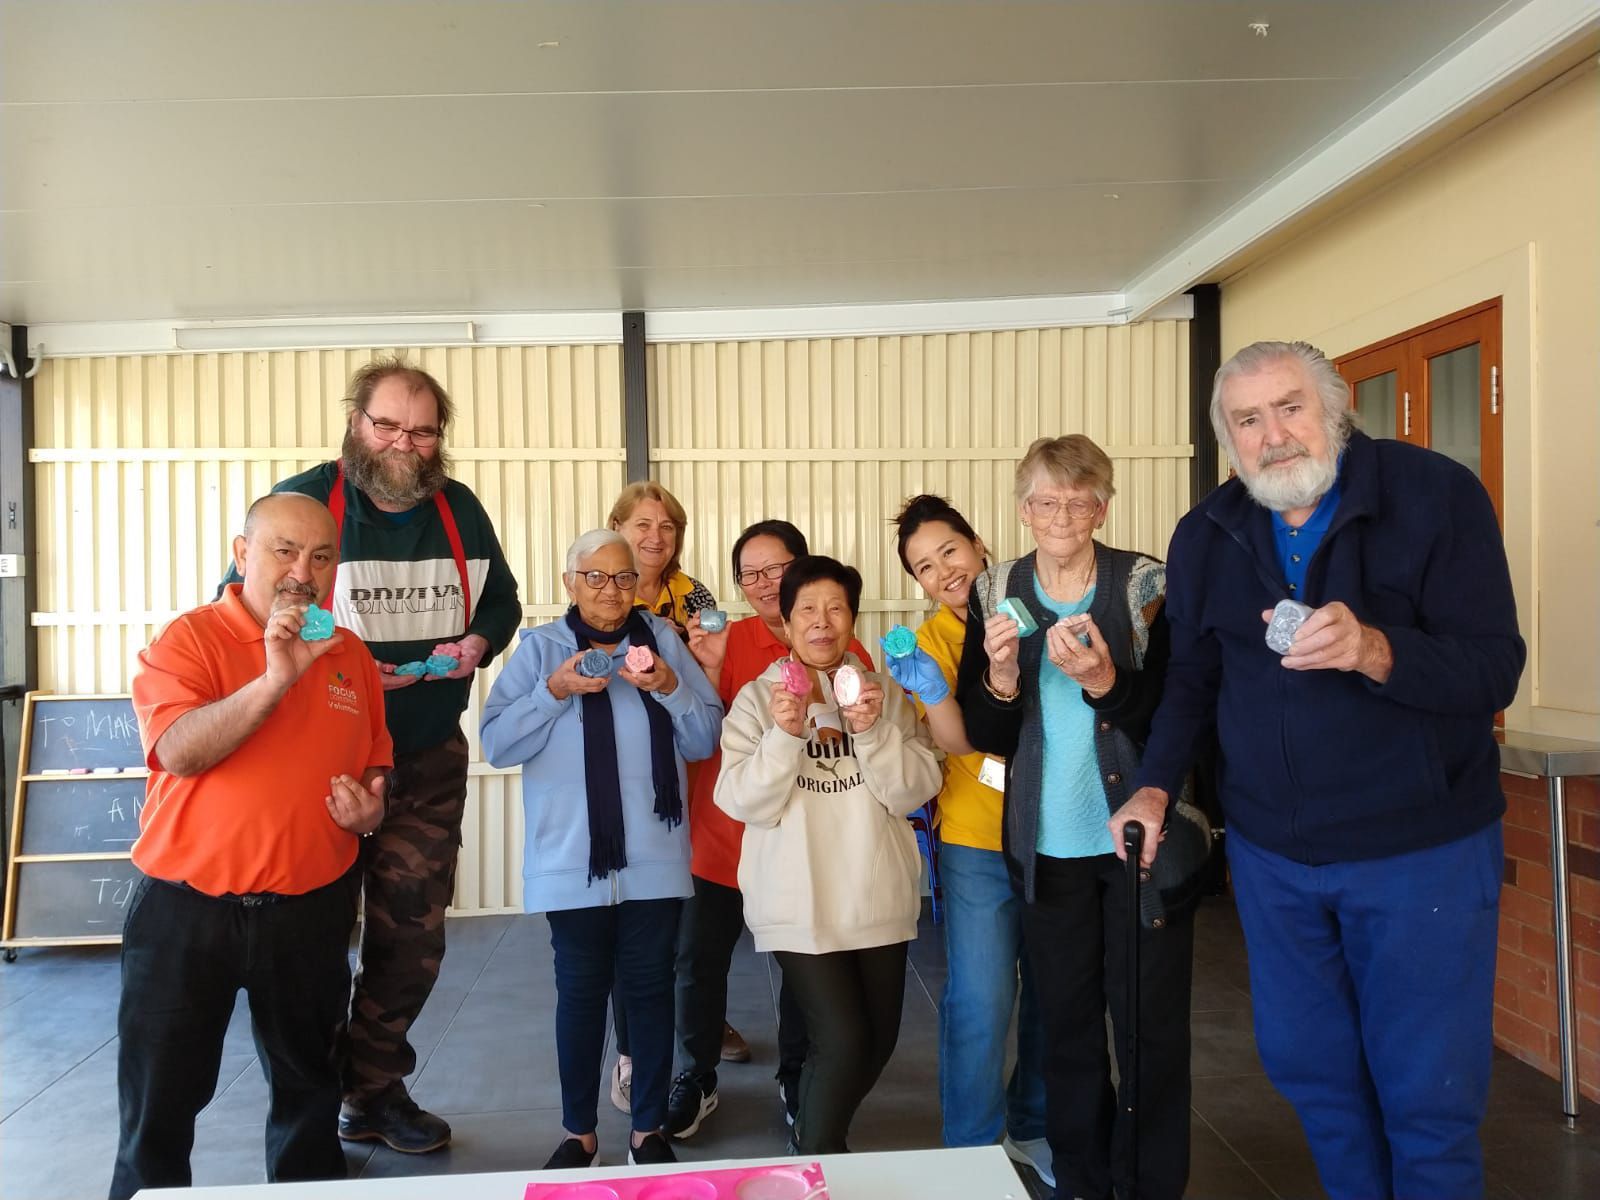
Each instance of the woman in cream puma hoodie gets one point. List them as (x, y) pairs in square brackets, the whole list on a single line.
[(829, 865)]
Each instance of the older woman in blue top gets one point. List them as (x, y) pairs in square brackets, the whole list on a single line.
[(602, 746), (1065, 656)]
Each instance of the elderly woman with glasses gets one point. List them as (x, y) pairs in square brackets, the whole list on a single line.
[(1062, 668), (601, 710)]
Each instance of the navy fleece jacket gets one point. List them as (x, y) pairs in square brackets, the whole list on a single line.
[(1328, 766)]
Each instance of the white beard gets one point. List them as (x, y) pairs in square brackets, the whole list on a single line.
[(1285, 488)]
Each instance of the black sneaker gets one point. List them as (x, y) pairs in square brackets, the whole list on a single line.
[(789, 1093), (691, 1100), (395, 1120), (571, 1155), (653, 1151)]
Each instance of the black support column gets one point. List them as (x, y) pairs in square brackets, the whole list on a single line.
[(635, 400), (1205, 356)]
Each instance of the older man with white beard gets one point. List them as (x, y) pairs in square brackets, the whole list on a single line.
[(421, 575), (1359, 772)]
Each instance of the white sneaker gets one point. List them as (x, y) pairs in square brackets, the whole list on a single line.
[(1035, 1153), (622, 1084)]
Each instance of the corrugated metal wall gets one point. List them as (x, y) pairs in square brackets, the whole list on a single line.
[(834, 434), (145, 466)]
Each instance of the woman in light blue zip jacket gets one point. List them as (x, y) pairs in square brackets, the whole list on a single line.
[(602, 709)]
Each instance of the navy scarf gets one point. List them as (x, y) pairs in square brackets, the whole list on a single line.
[(608, 847)]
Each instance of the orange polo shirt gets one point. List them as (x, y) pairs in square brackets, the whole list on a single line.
[(714, 836), (258, 820)]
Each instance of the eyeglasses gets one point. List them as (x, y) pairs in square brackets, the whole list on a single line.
[(388, 431), (1046, 508), (770, 571), (597, 580)]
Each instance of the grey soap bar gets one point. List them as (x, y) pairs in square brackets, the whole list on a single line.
[(1287, 618)]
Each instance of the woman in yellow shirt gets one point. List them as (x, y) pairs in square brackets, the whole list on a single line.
[(982, 926)]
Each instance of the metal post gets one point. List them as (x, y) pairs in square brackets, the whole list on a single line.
[(1563, 922), (635, 398), (1205, 356)]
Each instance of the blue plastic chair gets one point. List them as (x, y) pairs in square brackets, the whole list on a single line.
[(922, 826)]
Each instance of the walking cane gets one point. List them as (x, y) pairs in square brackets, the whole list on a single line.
[(1133, 846)]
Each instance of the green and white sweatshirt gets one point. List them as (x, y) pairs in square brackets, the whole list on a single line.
[(399, 591)]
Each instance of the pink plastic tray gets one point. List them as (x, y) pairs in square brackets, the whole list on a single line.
[(797, 1181)]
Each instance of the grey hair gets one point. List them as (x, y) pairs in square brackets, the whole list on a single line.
[(1334, 393), (587, 543)]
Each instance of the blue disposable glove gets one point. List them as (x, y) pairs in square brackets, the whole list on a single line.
[(917, 672)]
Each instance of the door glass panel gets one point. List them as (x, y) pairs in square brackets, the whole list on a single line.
[(1375, 403), (1453, 407)]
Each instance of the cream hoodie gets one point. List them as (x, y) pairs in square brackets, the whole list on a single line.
[(829, 861)]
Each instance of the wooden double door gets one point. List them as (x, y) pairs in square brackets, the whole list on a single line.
[(1438, 385)]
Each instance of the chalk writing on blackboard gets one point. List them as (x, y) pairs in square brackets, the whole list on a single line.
[(83, 733)]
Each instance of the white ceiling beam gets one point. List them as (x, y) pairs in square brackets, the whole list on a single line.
[(92, 339), (889, 320), (1528, 37)]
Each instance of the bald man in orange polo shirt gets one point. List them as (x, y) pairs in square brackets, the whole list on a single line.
[(267, 757)]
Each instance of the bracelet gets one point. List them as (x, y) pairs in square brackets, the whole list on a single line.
[(1003, 697)]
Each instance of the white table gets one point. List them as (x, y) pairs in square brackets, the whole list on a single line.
[(980, 1173)]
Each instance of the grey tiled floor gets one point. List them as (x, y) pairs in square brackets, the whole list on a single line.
[(486, 1060)]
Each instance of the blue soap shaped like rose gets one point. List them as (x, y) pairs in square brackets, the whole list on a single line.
[(318, 625), (595, 664), (412, 668), (441, 664), (899, 642)]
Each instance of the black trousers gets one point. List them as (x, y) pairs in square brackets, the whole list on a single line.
[(185, 956), (713, 920), (852, 1001), (1076, 937)]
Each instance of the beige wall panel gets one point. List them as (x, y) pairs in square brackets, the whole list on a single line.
[(834, 434), (145, 466), (1507, 211)]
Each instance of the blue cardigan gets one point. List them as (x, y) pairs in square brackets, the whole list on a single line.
[(1328, 766), (524, 725)]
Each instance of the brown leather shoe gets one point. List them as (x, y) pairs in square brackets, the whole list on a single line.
[(734, 1047)]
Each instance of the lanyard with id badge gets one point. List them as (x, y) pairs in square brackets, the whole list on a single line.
[(993, 774)]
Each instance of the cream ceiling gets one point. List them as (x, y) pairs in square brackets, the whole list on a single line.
[(234, 159)]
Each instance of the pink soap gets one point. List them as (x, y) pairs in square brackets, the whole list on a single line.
[(796, 678), (639, 660), (847, 685)]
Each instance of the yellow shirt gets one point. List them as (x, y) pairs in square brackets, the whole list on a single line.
[(969, 811)]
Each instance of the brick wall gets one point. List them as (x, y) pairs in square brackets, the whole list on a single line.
[(1525, 1021)]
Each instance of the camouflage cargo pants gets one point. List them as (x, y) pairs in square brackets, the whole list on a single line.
[(410, 874)]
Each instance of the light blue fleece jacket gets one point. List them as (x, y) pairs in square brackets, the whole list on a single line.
[(523, 724)]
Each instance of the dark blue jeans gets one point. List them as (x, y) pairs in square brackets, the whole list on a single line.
[(1373, 989), (629, 946), (184, 958), (987, 973)]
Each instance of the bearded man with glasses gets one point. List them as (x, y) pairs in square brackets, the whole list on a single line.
[(421, 576)]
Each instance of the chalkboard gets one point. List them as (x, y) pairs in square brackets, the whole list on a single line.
[(82, 731), (83, 815), (77, 899), (80, 792)]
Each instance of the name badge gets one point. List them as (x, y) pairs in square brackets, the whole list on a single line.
[(993, 774)]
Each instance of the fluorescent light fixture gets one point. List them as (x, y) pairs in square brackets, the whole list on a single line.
[(318, 335)]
